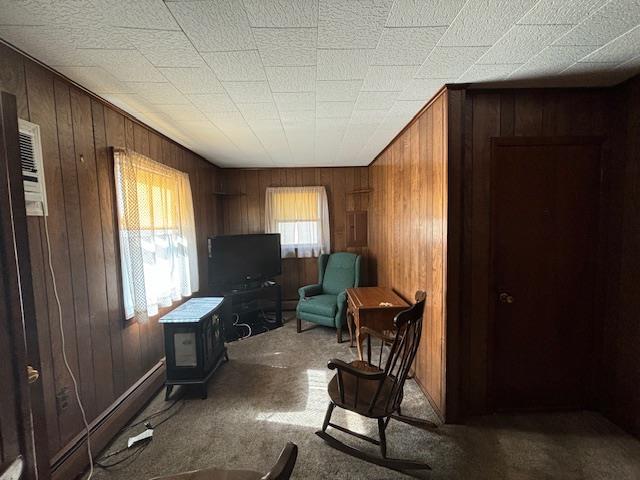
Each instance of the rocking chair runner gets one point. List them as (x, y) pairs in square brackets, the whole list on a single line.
[(375, 391)]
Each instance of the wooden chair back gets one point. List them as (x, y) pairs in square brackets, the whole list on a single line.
[(284, 466), (408, 330)]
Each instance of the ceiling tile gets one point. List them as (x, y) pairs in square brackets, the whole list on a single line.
[(619, 50), (214, 26), (302, 116), (286, 46), (282, 13), (26, 13), (131, 102), (96, 79), (589, 67), (159, 93), (449, 62), (338, 90), (164, 48), (550, 61), (248, 92), (334, 109), (388, 78), (588, 74), (98, 36), (304, 128), (213, 103), (376, 100), (259, 111), (291, 79), (126, 65), (369, 116), (265, 127), (560, 11), (406, 45), (50, 44), (182, 113), (522, 42), (605, 24), (304, 82), (192, 80), (422, 88), (233, 119), (483, 23), (487, 73), (152, 14), (349, 24), (291, 102), (423, 13), (343, 64), (242, 66)]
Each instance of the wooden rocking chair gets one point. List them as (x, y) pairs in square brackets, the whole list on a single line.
[(375, 391)]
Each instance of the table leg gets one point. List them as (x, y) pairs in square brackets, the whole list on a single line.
[(350, 325), (359, 340)]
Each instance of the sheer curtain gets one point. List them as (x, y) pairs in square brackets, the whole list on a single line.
[(301, 216), (157, 234)]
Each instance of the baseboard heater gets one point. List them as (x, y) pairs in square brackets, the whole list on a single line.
[(72, 459)]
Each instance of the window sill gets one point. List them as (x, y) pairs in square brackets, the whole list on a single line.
[(162, 311)]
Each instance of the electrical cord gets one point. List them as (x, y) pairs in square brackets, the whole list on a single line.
[(268, 319), (146, 419), (236, 324), (64, 351), (132, 456), (100, 462)]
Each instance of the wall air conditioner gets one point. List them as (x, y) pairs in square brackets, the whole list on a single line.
[(35, 194)]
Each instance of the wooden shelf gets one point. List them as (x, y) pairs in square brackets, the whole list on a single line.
[(363, 190), (228, 194)]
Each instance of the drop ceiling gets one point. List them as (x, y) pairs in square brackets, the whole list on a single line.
[(264, 83)]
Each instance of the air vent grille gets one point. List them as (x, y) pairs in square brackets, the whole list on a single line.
[(32, 168), (26, 153)]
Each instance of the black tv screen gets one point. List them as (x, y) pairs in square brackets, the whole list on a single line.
[(236, 259)]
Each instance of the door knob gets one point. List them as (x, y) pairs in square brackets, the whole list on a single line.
[(506, 298), (32, 374)]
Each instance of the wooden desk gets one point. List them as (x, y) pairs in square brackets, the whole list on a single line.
[(364, 307)]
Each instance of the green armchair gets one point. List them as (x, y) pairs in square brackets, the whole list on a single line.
[(325, 302)]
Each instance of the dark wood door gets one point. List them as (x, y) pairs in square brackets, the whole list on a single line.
[(545, 197), (20, 450)]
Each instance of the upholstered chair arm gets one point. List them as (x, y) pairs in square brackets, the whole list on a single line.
[(356, 282), (342, 308), (309, 291)]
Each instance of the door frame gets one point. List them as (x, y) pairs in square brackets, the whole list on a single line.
[(20, 321), (497, 142)]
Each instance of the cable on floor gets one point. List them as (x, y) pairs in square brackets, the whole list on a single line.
[(246, 325)]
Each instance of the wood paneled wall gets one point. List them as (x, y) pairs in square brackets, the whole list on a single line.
[(77, 129), (244, 213), (619, 380), (506, 113), (408, 245)]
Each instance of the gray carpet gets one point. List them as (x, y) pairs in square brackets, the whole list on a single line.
[(273, 390)]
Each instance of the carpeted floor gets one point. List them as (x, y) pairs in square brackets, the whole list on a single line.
[(273, 390)]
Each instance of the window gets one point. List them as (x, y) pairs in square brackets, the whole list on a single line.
[(301, 216), (157, 234)]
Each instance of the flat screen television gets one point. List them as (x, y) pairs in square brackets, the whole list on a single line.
[(236, 260)]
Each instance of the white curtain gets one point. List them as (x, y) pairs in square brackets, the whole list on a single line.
[(157, 234), (301, 216)]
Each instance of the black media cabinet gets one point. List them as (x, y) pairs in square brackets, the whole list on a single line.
[(245, 302)]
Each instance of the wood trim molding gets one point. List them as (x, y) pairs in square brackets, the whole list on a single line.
[(72, 460), (444, 88)]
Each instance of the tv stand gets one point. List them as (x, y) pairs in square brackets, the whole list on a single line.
[(239, 302)]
